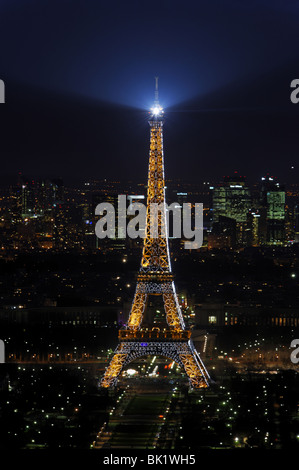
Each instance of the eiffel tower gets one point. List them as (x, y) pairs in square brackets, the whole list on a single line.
[(142, 336)]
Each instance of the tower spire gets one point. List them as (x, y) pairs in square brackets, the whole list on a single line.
[(156, 92), (157, 110)]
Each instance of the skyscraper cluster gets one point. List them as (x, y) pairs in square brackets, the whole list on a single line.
[(242, 216)]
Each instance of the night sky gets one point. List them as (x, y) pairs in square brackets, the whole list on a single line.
[(79, 78)]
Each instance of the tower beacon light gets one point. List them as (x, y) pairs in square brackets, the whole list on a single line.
[(157, 110)]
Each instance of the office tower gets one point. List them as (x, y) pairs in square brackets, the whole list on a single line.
[(272, 200), (232, 200)]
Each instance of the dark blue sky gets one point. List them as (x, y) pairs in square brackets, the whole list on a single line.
[(79, 79)]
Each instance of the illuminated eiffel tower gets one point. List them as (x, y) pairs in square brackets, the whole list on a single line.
[(139, 338)]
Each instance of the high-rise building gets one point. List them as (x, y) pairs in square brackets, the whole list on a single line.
[(118, 242), (39, 197), (232, 200), (254, 228), (272, 200)]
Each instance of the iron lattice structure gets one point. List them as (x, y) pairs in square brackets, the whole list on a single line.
[(155, 278)]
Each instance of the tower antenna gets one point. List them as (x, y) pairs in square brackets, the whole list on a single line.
[(156, 91)]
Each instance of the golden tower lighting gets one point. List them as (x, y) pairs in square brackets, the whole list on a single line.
[(171, 339)]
